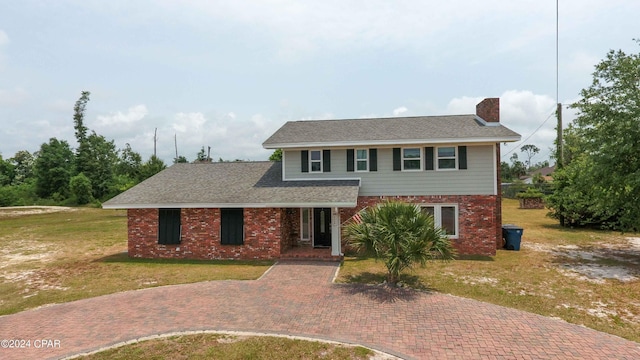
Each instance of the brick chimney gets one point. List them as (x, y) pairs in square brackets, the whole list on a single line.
[(489, 110)]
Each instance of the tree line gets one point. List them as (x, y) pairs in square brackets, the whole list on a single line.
[(58, 174)]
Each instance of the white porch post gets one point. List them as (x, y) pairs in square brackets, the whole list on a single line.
[(336, 241)]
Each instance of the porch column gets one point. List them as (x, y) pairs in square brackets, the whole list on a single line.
[(336, 245)]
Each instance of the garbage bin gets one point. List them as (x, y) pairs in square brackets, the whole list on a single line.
[(512, 236)]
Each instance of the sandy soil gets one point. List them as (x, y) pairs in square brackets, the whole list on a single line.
[(30, 210)]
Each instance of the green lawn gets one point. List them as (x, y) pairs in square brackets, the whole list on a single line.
[(215, 346), (565, 273), (71, 255)]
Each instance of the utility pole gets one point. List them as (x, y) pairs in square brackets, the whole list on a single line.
[(175, 141), (560, 159), (155, 141)]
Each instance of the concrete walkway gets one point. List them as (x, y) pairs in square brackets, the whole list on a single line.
[(299, 299)]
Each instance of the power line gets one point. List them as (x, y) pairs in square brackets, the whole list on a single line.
[(528, 137)]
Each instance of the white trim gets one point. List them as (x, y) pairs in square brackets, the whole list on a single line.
[(456, 155), (495, 170), (437, 216), (327, 179), (283, 162), (390, 143), (335, 232), (321, 161), (402, 159), (487, 123), (355, 159), (232, 206), (309, 223)]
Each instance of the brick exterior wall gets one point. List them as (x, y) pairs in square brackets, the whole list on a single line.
[(477, 222), (200, 237), (269, 232)]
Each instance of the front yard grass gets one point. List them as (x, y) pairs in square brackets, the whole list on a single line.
[(582, 276), (81, 253), (216, 346)]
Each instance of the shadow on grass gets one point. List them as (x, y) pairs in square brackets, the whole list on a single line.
[(124, 258)]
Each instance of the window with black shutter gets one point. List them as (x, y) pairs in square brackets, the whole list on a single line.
[(232, 226), (397, 161), (373, 159), (169, 226), (462, 157)]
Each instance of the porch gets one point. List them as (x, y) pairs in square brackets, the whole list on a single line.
[(309, 253)]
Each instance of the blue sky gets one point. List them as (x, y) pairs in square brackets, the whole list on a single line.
[(226, 74)]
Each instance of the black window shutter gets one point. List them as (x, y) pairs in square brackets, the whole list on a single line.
[(304, 160), (397, 160), (462, 157), (231, 226), (350, 155), (373, 159), (428, 158), (326, 160), (169, 226)]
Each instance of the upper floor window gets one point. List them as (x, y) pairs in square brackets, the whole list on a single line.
[(362, 160), (446, 158), (411, 159), (315, 160)]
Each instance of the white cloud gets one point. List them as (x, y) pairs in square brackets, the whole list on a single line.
[(399, 111), (302, 29), (323, 116), (582, 64), (133, 115), (531, 115), (13, 97), (4, 38)]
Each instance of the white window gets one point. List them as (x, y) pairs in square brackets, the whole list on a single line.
[(362, 160), (411, 159), (445, 216), (447, 158), (315, 161), (305, 224)]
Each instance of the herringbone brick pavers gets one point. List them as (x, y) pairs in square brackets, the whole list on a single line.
[(297, 298)]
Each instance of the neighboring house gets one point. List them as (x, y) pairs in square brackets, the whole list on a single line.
[(330, 170), (545, 173)]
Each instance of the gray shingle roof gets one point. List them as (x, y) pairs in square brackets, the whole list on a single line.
[(234, 184), (389, 131)]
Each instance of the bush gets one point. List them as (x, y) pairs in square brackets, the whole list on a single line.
[(80, 186), (531, 193)]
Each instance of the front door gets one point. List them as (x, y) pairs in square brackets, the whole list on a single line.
[(322, 227)]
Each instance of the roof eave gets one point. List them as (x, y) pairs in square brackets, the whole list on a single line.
[(345, 204), (476, 140)]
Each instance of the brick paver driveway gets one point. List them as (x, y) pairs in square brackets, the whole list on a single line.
[(298, 299)]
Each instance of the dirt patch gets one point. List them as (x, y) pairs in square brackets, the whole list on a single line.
[(598, 263), (14, 211)]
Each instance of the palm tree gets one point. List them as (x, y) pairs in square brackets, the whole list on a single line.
[(401, 235)]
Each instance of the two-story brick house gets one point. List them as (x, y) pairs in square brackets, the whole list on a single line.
[(330, 170)]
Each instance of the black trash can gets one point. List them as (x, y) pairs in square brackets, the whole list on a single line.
[(512, 236)]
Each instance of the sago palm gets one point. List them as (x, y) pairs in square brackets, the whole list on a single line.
[(400, 235)]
